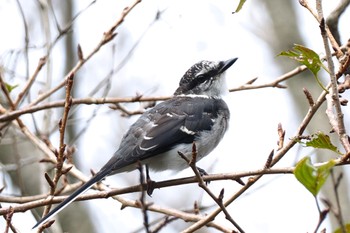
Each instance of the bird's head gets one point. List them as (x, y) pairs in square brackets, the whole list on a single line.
[(205, 78)]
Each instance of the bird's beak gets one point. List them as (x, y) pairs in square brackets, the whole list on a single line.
[(227, 64)]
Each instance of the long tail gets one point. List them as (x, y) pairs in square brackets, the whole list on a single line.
[(99, 176)]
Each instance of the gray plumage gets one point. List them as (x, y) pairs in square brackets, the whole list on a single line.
[(196, 113)]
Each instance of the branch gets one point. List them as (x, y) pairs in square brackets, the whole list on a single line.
[(8, 116), (338, 212), (336, 119), (30, 202), (275, 83), (27, 203), (89, 100), (334, 43), (312, 110), (333, 18), (62, 146), (202, 184), (27, 86), (107, 37)]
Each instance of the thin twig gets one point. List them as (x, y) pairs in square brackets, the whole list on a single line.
[(202, 184), (338, 213), (8, 218), (26, 38), (337, 118), (107, 37), (322, 215), (275, 83), (279, 155), (8, 116), (41, 200), (35, 140), (334, 43), (142, 200), (334, 16), (62, 146), (30, 81)]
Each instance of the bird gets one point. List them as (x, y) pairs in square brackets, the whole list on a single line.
[(196, 113)]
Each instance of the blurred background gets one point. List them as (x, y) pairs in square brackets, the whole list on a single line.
[(157, 42)]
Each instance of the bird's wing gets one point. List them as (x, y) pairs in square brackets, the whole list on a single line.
[(168, 124)]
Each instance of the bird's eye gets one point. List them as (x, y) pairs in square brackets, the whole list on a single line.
[(201, 76)]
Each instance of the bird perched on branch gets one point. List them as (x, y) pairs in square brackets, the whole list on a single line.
[(196, 113)]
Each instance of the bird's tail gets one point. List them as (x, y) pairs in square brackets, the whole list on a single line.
[(99, 176)]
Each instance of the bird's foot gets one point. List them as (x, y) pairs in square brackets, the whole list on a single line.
[(202, 172)]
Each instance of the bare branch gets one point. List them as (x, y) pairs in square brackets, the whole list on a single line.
[(338, 213), (8, 116), (335, 45), (277, 157), (107, 37), (202, 184), (275, 83), (333, 18), (27, 86), (336, 119), (42, 200)]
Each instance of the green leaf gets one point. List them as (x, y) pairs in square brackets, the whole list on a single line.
[(240, 5), (347, 229), (10, 87), (308, 58), (321, 141), (312, 177)]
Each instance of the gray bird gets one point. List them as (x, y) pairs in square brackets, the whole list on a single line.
[(196, 113)]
